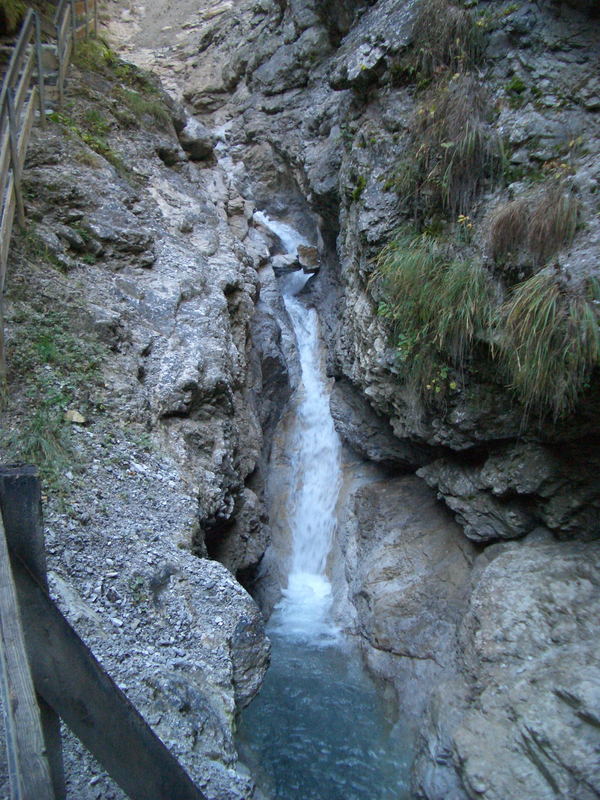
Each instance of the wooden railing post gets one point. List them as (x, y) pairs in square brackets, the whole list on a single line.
[(14, 155), (2, 353), (28, 769), (40, 70), (21, 506), (73, 23)]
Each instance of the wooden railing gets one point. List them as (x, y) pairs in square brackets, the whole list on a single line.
[(47, 673), (24, 90)]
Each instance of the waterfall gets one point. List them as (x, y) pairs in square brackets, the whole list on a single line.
[(315, 483), (315, 471), (317, 730)]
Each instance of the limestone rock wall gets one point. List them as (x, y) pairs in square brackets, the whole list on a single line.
[(321, 116), (130, 301), (486, 637)]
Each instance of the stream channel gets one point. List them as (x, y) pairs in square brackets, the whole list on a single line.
[(318, 729)]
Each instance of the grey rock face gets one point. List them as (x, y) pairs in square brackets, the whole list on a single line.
[(518, 486), (196, 140), (529, 638), (313, 112), (369, 434), (408, 569), (174, 303)]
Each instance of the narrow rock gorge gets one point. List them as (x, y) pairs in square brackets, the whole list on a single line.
[(439, 164)]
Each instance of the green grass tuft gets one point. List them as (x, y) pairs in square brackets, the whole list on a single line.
[(437, 306), (550, 343), (11, 12), (95, 55), (142, 105)]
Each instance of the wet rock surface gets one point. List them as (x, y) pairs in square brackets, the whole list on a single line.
[(331, 132), (527, 641)]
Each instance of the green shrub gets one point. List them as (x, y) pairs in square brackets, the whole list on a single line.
[(550, 342), (437, 305), (453, 150)]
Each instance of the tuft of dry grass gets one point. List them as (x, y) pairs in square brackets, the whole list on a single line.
[(552, 223), (540, 225), (445, 37), (508, 230), (453, 150)]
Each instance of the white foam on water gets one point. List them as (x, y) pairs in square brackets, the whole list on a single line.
[(288, 236)]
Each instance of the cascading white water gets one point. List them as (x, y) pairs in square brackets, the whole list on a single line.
[(318, 730), (314, 446)]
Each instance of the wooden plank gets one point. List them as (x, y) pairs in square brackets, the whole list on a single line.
[(64, 28), (21, 507), (14, 65), (59, 11), (28, 768), (5, 231), (5, 155), (27, 125), (14, 158), (70, 679), (73, 23), (4, 163), (2, 353), (24, 83), (40, 70), (62, 71)]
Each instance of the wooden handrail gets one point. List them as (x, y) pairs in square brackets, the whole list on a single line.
[(28, 768), (16, 115), (66, 674)]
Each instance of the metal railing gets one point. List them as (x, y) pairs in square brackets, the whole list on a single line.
[(24, 90)]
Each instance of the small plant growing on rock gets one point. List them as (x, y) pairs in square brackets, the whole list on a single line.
[(515, 89), (445, 37), (55, 367)]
